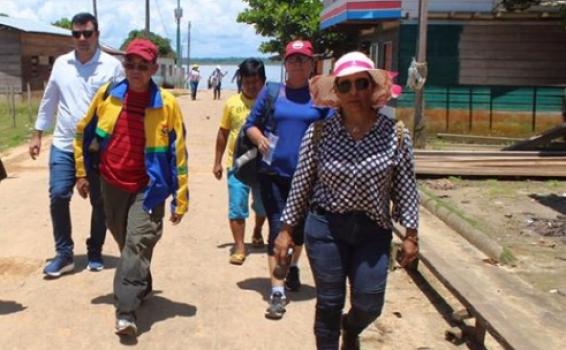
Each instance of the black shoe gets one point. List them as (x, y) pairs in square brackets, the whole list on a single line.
[(276, 307), (293, 282), (350, 341)]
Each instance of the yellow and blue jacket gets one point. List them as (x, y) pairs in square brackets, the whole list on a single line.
[(165, 151)]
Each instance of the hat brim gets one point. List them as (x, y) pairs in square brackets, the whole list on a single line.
[(323, 91)]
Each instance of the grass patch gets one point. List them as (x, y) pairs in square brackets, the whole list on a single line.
[(497, 189), (452, 207), (11, 135)]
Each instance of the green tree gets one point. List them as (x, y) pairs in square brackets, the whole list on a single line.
[(286, 20), (4, 15), (522, 5), (163, 44), (63, 23)]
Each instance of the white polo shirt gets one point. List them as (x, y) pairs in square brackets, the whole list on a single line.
[(69, 91)]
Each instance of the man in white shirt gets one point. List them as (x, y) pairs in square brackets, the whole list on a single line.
[(75, 78)]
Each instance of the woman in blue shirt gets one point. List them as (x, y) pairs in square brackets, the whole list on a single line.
[(279, 144)]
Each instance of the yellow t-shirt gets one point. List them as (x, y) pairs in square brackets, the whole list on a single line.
[(236, 110)]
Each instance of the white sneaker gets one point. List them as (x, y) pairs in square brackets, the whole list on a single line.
[(126, 327)]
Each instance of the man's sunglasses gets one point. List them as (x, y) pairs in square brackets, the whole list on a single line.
[(345, 86), (142, 67), (86, 33)]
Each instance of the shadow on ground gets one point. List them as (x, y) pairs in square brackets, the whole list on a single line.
[(9, 307), (553, 201), (155, 309), (261, 285)]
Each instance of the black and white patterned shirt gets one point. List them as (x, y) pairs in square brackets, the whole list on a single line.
[(342, 175)]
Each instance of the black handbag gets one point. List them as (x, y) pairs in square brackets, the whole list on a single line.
[(246, 154)]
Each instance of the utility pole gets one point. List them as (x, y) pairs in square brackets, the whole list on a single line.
[(147, 18), (189, 48), (178, 15), (419, 122), (94, 9)]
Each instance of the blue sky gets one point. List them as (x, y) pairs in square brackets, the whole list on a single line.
[(215, 32)]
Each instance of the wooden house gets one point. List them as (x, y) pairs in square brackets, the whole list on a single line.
[(488, 69), (27, 52)]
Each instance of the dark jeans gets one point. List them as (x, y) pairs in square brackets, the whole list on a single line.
[(216, 90), (341, 246), (61, 183), (274, 192), (194, 87), (136, 233)]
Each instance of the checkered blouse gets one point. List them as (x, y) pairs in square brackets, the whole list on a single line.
[(342, 175)]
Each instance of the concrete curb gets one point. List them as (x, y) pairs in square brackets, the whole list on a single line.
[(476, 237)]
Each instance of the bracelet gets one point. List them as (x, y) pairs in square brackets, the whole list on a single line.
[(412, 238)]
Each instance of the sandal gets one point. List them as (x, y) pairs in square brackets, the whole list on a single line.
[(237, 258), (257, 242)]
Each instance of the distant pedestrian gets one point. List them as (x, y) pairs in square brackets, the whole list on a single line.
[(75, 78), (143, 160), (236, 110), (278, 139), (194, 79), (215, 81), (353, 166), (238, 79)]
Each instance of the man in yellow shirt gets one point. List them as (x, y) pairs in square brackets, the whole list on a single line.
[(236, 110)]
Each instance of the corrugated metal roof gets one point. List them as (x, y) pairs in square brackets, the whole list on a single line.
[(27, 25)]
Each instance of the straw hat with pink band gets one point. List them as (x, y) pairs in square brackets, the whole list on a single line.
[(323, 86)]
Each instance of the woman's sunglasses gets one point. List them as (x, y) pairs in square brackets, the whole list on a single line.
[(298, 59), (345, 86), (86, 33), (142, 67)]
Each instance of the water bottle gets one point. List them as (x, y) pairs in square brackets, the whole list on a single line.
[(280, 271)]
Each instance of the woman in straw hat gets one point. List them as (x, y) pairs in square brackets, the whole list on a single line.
[(351, 167)]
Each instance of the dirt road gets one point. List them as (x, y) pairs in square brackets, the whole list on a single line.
[(202, 301)]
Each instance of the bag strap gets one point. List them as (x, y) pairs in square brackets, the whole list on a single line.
[(399, 132), (316, 135), (267, 119)]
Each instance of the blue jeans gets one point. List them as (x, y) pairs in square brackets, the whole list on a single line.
[(194, 88), (341, 246), (274, 192), (61, 183)]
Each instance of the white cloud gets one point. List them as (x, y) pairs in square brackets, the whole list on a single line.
[(215, 32)]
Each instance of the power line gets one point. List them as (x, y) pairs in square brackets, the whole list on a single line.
[(161, 20)]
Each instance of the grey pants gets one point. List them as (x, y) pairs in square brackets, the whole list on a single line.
[(136, 233)]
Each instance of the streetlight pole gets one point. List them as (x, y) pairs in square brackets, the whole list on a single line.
[(147, 18), (189, 48), (419, 122), (94, 9), (178, 15)]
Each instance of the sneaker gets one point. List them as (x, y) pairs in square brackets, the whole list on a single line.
[(95, 263), (292, 282), (276, 307), (126, 327), (58, 266)]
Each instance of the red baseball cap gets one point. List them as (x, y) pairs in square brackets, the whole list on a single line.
[(143, 48), (299, 47)]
